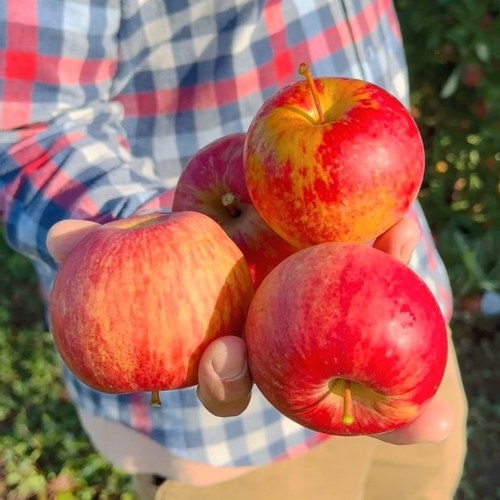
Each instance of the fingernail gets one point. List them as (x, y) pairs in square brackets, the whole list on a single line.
[(228, 367)]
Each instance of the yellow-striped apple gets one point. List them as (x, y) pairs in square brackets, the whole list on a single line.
[(136, 302), (332, 159), (346, 340), (213, 183)]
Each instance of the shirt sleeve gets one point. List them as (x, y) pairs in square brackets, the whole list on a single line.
[(63, 149)]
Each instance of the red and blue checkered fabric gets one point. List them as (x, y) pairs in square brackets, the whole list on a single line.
[(102, 102)]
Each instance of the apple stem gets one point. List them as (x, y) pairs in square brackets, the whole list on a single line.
[(228, 200), (347, 418), (155, 398), (305, 71)]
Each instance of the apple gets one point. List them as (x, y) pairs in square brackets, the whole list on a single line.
[(213, 183), (346, 340), (136, 302), (332, 159)]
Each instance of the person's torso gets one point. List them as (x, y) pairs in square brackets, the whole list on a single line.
[(190, 72)]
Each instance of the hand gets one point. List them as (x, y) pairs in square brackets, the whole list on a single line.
[(225, 382)]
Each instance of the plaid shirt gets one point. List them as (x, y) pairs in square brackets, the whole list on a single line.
[(103, 101)]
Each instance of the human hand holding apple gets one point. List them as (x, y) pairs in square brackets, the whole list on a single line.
[(223, 376), (432, 424)]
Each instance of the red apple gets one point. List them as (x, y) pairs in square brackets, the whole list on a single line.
[(213, 183), (332, 159), (344, 339), (136, 302)]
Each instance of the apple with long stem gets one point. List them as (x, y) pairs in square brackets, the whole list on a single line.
[(344, 339), (136, 301), (213, 183), (332, 159)]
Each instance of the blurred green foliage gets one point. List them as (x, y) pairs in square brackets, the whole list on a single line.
[(453, 53), (43, 451)]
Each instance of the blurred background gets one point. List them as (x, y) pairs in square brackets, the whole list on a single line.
[(453, 52)]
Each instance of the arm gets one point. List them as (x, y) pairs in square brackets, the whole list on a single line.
[(63, 149)]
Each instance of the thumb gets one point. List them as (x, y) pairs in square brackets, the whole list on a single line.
[(224, 379), (65, 235), (432, 426), (400, 240)]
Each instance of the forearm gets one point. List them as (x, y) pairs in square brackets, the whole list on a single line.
[(63, 150), (78, 167)]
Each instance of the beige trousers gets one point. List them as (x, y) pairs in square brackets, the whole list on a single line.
[(348, 468)]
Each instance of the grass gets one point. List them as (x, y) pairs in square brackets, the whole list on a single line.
[(43, 451)]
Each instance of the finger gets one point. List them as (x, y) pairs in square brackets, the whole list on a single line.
[(400, 240), (65, 235), (432, 426), (224, 378)]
